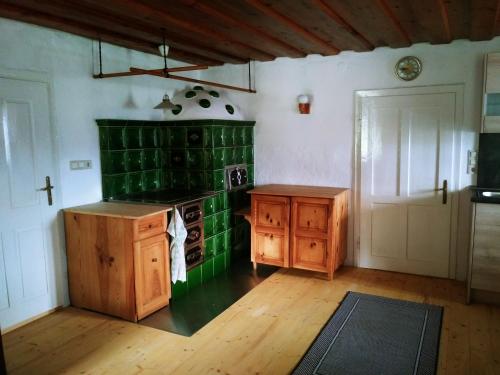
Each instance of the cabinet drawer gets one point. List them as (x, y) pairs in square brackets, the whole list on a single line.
[(149, 226), (270, 212), (271, 248)]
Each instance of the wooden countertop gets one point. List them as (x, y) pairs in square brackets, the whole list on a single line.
[(298, 191), (121, 210)]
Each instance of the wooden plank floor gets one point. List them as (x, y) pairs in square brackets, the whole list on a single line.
[(265, 332)]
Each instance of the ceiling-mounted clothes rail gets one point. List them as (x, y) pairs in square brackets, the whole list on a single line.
[(165, 73)]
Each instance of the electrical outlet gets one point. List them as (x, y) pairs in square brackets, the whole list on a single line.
[(80, 164)]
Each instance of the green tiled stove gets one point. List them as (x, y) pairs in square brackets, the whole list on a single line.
[(138, 156)]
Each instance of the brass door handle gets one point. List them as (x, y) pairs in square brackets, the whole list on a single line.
[(444, 189), (48, 188)]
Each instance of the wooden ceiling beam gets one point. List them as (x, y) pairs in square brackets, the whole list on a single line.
[(172, 39), (446, 20), (328, 10), (394, 19), (153, 12), (218, 14), (42, 19), (267, 10)]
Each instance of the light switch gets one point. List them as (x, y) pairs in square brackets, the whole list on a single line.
[(80, 164), (471, 161)]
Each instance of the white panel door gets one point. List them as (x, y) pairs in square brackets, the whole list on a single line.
[(29, 261), (407, 152)]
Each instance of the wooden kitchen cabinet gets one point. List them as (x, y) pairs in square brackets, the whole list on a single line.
[(118, 258), (300, 227)]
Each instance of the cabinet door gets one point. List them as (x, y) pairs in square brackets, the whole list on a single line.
[(152, 274), (270, 229), (311, 240)]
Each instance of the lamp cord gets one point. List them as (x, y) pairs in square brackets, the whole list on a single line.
[(165, 69)]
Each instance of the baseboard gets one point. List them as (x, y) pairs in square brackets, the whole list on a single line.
[(484, 296), (27, 321)]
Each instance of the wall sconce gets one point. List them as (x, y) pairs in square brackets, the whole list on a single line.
[(304, 104)]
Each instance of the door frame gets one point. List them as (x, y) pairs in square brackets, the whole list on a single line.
[(61, 282), (458, 91)]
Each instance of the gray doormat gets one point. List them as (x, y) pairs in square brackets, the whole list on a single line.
[(376, 335)]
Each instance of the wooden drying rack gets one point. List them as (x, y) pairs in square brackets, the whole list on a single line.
[(165, 73)]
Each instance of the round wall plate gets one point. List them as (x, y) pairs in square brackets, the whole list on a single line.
[(408, 68)]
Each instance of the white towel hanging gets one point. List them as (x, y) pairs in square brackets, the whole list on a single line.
[(178, 232)]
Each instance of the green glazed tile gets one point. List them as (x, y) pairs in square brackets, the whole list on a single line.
[(177, 159), (178, 137), (133, 137), (115, 185), (116, 137), (250, 174), (218, 203), (209, 158), (179, 179), (249, 154), (105, 162), (228, 136), (219, 243), (220, 223), (239, 136), (209, 180), (163, 159), (151, 159), (195, 180), (208, 137), (218, 158), (228, 239), (117, 162), (207, 271), (209, 246), (194, 277), (248, 138), (208, 226), (195, 158), (239, 155), (195, 137), (218, 137), (228, 156), (179, 289), (218, 182), (209, 206), (149, 138), (135, 183), (134, 160), (151, 180), (165, 181), (103, 138), (164, 134), (227, 260), (219, 264)]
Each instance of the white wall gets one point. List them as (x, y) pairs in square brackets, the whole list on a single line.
[(77, 99), (317, 149)]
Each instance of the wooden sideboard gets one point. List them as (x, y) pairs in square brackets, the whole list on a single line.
[(118, 258), (484, 259), (299, 226)]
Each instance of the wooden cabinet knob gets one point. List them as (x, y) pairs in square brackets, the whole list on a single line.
[(150, 226), (154, 260), (308, 223)]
